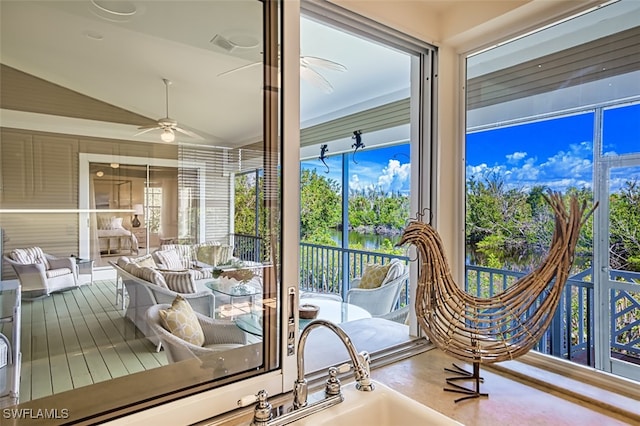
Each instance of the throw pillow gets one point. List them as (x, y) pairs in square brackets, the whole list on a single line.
[(185, 254), (180, 282), (104, 222), (207, 254), (123, 261), (182, 322), (116, 223), (225, 254), (170, 259), (396, 269), (153, 276), (144, 261), (30, 255), (373, 275)]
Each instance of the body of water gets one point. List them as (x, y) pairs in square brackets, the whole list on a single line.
[(364, 241)]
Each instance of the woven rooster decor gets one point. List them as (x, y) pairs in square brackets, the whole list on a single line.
[(497, 328)]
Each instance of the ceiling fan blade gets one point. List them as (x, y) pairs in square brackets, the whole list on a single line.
[(316, 79), (146, 129), (323, 63), (239, 68), (187, 132)]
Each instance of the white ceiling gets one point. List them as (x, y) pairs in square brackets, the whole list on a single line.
[(121, 60)]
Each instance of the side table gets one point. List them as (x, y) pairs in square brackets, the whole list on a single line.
[(84, 267), (141, 236)]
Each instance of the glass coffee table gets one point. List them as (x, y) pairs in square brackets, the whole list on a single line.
[(330, 310), (234, 292)]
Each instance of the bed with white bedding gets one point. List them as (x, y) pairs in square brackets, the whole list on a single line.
[(114, 237)]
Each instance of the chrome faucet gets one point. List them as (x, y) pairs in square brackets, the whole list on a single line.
[(360, 362), (263, 415)]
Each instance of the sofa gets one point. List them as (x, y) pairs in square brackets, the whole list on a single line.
[(147, 285), (173, 269), (200, 258)]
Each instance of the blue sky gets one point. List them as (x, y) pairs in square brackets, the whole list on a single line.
[(387, 169), (555, 153)]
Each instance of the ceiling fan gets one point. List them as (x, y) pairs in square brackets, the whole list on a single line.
[(307, 71), (168, 125)]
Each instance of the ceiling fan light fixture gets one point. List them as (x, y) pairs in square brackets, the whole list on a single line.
[(167, 135)]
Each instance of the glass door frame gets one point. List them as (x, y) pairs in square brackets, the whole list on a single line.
[(84, 203), (603, 284)]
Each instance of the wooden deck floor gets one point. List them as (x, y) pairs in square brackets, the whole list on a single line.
[(79, 337)]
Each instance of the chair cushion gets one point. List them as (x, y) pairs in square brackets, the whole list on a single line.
[(179, 281), (373, 275), (170, 259), (29, 256), (52, 273), (182, 322)]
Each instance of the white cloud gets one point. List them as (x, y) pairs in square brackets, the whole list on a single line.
[(570, 167), (515, 157), (395, 177)]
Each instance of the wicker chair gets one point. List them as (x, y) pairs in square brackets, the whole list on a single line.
[(219, 335), (381, 300), (40, 274)]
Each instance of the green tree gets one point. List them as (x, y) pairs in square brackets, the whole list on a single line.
[(320, 207)]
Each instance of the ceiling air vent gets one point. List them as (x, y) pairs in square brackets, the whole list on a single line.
[(223, 43)]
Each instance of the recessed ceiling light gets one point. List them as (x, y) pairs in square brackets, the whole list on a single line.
[(99, 173), (115, 165), (113, 11), (120, 8)]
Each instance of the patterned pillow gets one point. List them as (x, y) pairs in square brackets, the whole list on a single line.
[(225, 254), (123, 261), (133, 269), (170, 259), (144, 261), (207, 254), (153, 276), (373, 275), (30, 255), (179, 281), (396, 269), (185, 253), (182, 322)]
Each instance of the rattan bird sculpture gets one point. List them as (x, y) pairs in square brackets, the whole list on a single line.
[(497, 328)]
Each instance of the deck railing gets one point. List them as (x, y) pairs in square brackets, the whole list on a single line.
[(571, 333), (330, 269), (325, 269)]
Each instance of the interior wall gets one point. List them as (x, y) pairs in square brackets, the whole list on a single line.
[(41, 171)]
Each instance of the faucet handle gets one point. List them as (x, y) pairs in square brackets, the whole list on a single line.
[(262, 413), (333, 383), (363, 372), (343, 368)]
